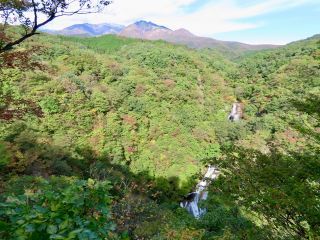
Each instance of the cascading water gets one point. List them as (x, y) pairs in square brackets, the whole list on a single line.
[(192, 199), (236, 112)]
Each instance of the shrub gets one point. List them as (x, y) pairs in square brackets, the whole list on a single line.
[(77, 209)]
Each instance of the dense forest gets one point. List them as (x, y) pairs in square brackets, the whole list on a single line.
[(100, 138)]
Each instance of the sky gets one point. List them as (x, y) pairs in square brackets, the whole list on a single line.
[(249, 21)]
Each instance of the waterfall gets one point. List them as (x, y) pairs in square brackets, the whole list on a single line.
[(192, 199), (236, 112)]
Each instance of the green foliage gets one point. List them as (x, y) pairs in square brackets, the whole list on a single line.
[(64, 208), (128, 104), (50, 105), (282, 189), (8, 80), (4, 156), (146, 116), (103, 44), (222, 220)]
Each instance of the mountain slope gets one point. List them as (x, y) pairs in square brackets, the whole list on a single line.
[(146, 116), (151, 31), (144, 30)]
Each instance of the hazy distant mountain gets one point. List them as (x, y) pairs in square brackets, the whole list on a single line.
[(87, 29), (152, 31)]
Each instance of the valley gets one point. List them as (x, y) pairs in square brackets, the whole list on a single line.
[(102, 137)]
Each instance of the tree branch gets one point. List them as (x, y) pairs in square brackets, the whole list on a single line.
[(52, 9), (35, 22), (10, 45)]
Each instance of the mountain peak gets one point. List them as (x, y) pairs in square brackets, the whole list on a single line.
[(147, 25), (183, 32), (144, 22), (151, 31)]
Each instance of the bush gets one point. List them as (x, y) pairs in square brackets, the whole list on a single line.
[(50, 105), (77, 210)]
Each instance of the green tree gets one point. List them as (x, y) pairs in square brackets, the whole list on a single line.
[(283, 189)]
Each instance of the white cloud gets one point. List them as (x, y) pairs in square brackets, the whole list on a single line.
[(215, 16)]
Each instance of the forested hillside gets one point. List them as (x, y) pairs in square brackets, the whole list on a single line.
[(100, 138)]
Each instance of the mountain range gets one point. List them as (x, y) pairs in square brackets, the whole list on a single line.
[(151, 31), (89, 30)]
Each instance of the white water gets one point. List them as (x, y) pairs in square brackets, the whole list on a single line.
[(193, 199), (234, 114)]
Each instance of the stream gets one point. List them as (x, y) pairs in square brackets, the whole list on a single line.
[(191, 201)]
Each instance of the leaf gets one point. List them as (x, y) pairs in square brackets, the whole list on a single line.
[(52, 229), (29, 228), (4, 226), (64, 225), (20, 222), (74, 233), (57, 236), (90, 183)]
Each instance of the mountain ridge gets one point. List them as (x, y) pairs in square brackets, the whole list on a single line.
[(151, 31), (184, 37), (89, 30)]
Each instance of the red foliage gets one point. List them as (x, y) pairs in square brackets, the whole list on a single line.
[(140, 89), (129, 120), (169, 83), (4, 37), (21, 107), (21, 59), (291, 136), (131, 149)]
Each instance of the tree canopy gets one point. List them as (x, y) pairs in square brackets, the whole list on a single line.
[(104, 136)]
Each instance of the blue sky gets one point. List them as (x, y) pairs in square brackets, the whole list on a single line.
[(250, 21), (280, 26)]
